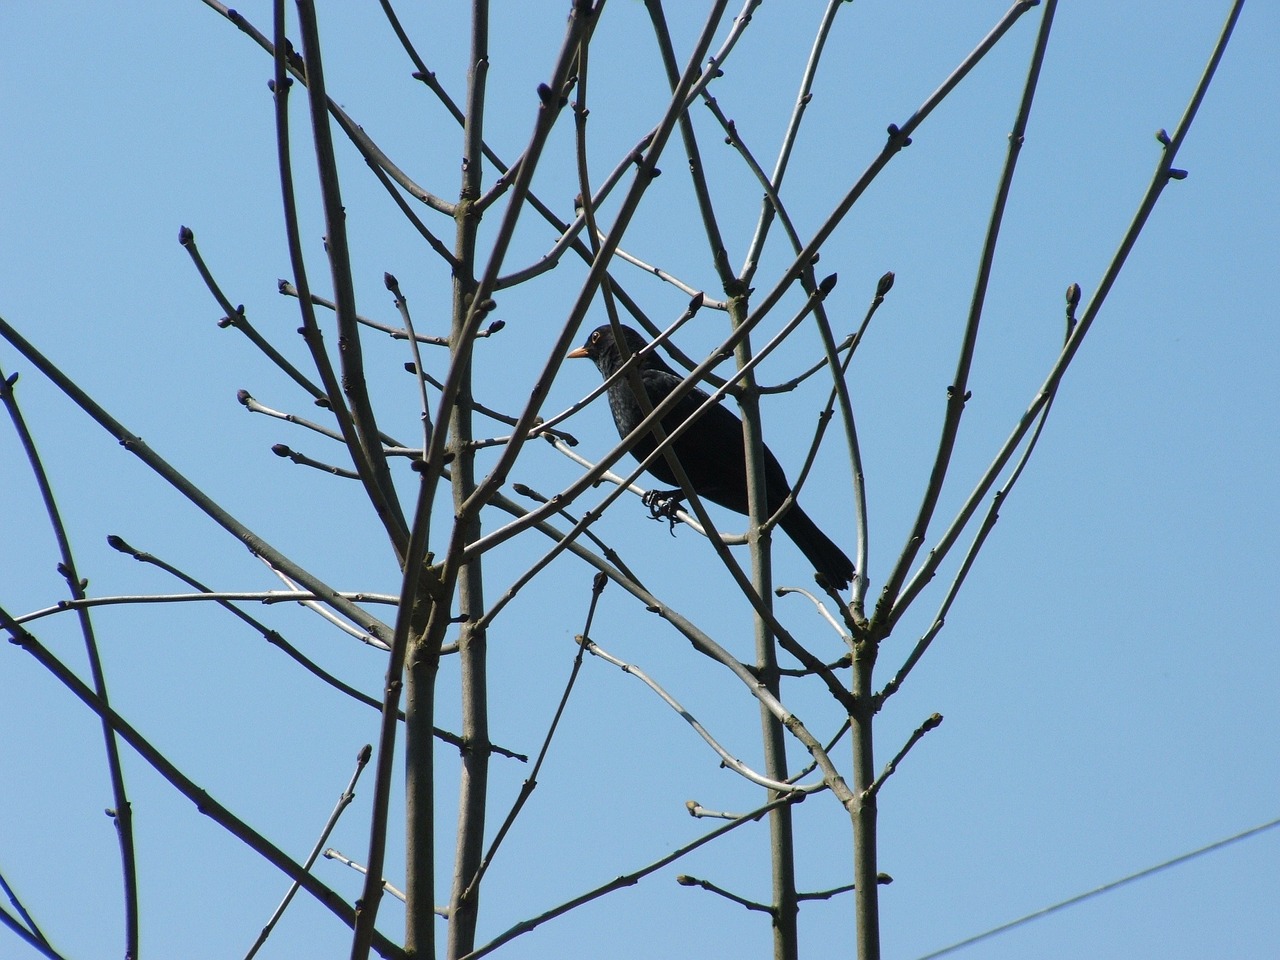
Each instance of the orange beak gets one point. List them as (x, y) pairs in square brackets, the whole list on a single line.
[(576, 354)]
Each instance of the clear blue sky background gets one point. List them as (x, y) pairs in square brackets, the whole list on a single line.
[(1108, 678)]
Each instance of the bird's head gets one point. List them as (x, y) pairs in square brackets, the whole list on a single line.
[(602, 349)]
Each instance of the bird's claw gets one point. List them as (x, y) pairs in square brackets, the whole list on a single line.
[(663, 505)]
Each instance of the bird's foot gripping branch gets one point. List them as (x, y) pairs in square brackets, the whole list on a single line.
[(664, 505)]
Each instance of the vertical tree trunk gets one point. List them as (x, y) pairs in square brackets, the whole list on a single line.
[(421, 666), (472, 652), (865, 872), (781, 836)]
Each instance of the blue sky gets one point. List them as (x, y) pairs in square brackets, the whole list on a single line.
[(1108, 676)]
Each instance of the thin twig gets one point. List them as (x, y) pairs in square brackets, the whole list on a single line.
[(27, 928), (531, 782), (274, 637), (353, 439), (666, 277), (803, 98), (27, 937), (222, 596), (628, 879), (377, 479), (835, 891), (687, 881), (333, 618), (332, 854), (402, 306), (726, 759), (344, 800), (932, 722), (699, 812), (702, 643), (235, 317), (825, 613), (372, 154), (958, 390), (898, 138), (608, 552), (987, 525), (204, 803), (121, 810), (285, 288), (285, 452)]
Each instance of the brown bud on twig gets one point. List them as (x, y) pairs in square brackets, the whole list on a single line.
[(185, 236), (885, 284), (1073, 301)]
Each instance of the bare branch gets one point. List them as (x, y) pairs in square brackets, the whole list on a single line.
[(958, 391), (362, 142), (726, 759), (344, 800), (531, 782), (931, 723), (332, 854), (121, 811), (687, 881), (628, 879), (165, 471), (205, 803), (377, 480)]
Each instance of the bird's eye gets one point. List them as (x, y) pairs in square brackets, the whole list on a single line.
[(595, 337)]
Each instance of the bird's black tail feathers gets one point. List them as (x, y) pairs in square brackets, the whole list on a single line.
[(828, 559)]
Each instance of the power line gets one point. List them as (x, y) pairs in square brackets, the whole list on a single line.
[(1102, 889)]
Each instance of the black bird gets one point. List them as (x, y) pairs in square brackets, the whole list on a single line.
[(711, 450)]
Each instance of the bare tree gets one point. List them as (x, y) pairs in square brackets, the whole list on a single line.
[(485, 496)]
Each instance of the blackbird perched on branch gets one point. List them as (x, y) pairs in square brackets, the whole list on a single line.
[(711, 450)]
